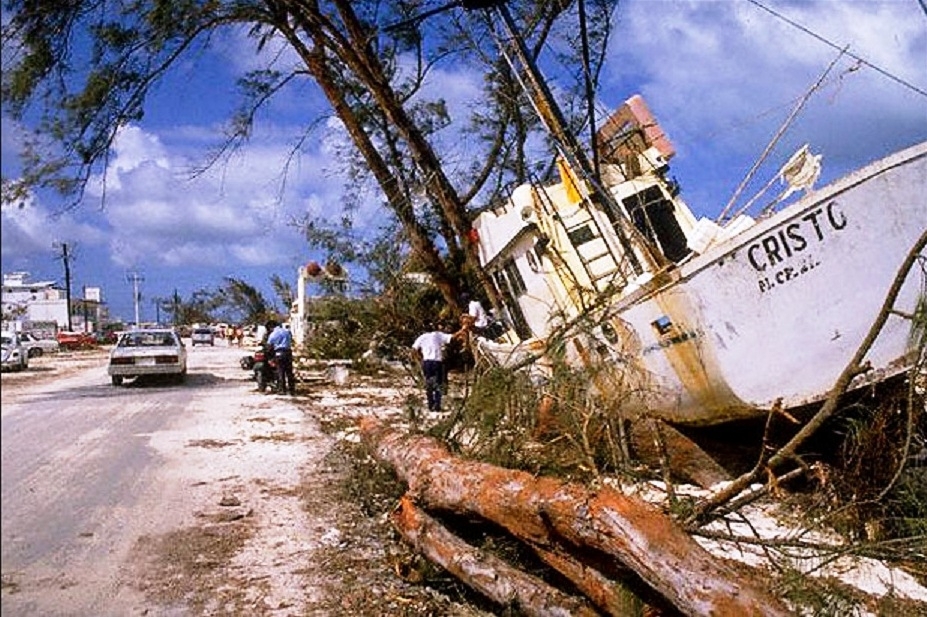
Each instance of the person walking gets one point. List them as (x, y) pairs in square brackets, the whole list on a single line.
[(429, 350), (281, 340)]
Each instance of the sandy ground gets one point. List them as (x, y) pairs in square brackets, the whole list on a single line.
[(287, 515), (278, 510)]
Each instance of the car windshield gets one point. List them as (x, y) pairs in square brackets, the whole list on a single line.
[(147, 339)]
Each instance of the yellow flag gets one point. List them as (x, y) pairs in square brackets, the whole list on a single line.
[(569, 181)]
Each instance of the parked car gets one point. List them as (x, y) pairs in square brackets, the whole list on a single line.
[(202, 336), (149, 351), (37, 346), (14, 355), (75, 340), (106, 338)]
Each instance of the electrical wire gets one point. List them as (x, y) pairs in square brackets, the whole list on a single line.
[(838, 48)]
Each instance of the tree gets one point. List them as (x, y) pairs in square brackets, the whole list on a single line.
[(82, 96), (242, 303)]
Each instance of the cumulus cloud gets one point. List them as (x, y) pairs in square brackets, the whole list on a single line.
[(160, 214), (723, 78), (720, 76)]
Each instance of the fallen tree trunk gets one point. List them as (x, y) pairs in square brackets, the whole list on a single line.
[(612, 597), (487, 574), (539, 510)]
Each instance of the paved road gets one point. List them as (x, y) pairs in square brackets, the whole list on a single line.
[(89, 468)]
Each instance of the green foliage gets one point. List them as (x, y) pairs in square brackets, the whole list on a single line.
[(816, 598), (338, 327), (878, 490)]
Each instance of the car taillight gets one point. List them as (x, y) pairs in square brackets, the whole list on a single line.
[(122, 361), (166, 360)]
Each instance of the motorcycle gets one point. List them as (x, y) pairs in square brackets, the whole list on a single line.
[(264, 367)]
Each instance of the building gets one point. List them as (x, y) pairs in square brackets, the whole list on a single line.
[(29, 305)]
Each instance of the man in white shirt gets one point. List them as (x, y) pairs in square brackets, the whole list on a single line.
[(429, 348), (479, 319)]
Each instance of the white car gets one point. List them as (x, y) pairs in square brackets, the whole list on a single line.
[(149, 351), (14, 355), (36, 346), (202, 336)]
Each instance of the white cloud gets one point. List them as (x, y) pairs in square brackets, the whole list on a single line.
[(722, 78)]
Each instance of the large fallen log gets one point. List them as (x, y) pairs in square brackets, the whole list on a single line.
[(484, 572), (543, 510)]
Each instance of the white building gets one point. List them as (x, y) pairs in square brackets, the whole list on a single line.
[(32, 301), (29, 303)]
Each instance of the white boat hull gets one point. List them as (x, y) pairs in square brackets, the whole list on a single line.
[(777, 312)]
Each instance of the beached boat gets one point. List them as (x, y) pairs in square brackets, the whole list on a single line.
[(698, 321)]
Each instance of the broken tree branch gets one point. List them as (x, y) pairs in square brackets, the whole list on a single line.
[(542, 510)]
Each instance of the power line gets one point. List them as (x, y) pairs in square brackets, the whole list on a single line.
[(840, 49)]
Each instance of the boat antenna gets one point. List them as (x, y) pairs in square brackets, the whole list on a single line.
[(785, 125)]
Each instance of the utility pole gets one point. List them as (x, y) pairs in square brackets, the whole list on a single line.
[(66, 259), (135, 279)]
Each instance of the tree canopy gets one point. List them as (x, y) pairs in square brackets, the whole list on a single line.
[(77, 72)]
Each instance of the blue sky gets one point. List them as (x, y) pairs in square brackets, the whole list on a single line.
[(720, 76)]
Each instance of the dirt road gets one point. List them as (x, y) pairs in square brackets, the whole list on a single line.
[(203, 499)]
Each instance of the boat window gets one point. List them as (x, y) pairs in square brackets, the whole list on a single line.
[(581, 235), (662, 325), (512, 285), (533, 261), (654, 216)]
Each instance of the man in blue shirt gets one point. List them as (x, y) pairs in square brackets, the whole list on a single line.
[(281, 340)]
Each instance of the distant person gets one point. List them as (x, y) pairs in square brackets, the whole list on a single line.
[(429, 349), (281, 340), (478, 317)]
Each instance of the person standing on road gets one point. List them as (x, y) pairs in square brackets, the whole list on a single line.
[(281, 340)]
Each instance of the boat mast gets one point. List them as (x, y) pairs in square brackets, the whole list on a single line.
[(554, 121)]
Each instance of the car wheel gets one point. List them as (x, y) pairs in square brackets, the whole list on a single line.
[(35, 352), (117, 380)]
